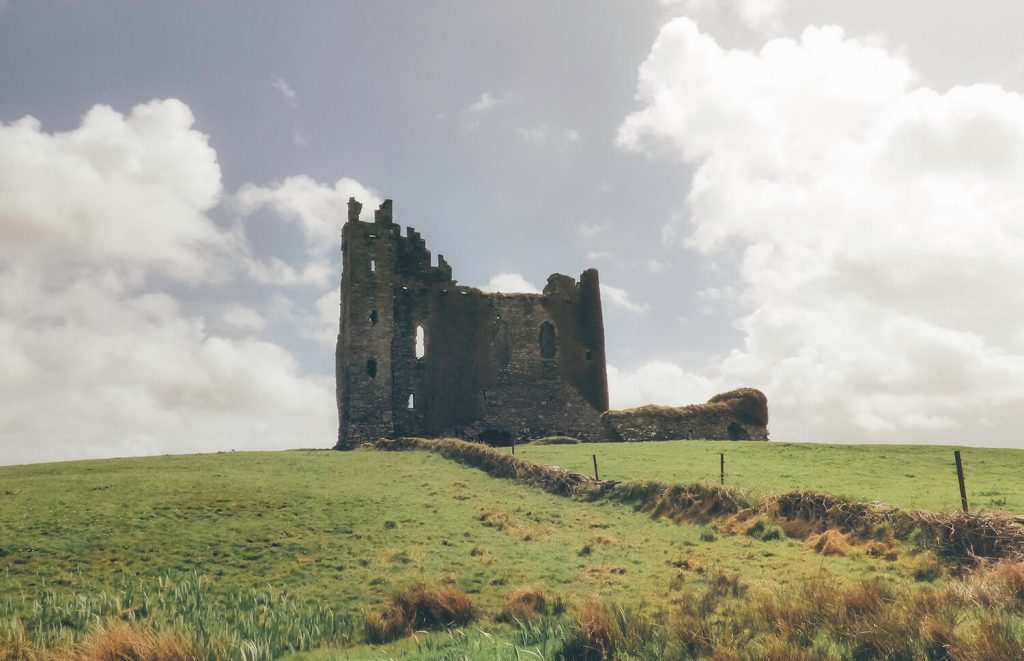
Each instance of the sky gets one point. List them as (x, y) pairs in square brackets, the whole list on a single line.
[(820, 199)]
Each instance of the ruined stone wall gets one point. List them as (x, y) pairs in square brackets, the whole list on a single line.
[(736, 415), (496, 367)]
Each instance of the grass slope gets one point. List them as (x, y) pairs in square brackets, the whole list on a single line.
[(229, 540), (907, 476)]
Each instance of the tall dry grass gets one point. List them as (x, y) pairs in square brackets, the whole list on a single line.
[(977, 616), (112, 641), (530, 602), (418, 607)]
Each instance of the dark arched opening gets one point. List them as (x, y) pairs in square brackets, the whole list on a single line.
[(548, 340), (496, 437), (737, 432)]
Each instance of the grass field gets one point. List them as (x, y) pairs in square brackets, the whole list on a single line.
[(907, 476), (263, 554)]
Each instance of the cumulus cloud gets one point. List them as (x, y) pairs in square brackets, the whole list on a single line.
[(880, 223), (762, 14), (510, 283), (620, 298), (92, 368), (657, 381), (317, 210), (134, 189), (322, 326), (96, 359), (242, 318)]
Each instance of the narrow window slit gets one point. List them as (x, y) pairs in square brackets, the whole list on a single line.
[(421, 342)]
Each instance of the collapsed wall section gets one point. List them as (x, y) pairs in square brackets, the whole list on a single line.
[(737, 415)]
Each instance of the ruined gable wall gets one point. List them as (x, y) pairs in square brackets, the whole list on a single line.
[(485, 373)]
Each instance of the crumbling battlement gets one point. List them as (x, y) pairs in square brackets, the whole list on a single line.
[(419, 355), (736, 415)]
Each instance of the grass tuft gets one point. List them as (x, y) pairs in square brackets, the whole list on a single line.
[(830, 542), (418, 607), (529, 602)]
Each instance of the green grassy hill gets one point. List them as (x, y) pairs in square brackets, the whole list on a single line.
[(259, 554), (907, 476)]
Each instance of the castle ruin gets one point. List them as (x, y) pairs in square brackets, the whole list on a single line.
[(420, 355)]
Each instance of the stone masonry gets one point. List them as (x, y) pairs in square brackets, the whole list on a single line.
[(419, 355), (737, 415)]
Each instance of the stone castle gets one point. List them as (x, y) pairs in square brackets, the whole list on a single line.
[(420, 355)]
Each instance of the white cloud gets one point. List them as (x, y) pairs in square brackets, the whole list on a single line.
[(656, 382), (96, 360), (655, 266), (590, 230), (322, 327), (318, 210), (880, 221), (242, 318), (545, 136), (285, 90), (762, 14), (510, 283), (485, 105), (620, 298), (133, 189), (92, 366)]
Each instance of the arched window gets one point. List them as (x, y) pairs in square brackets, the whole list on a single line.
[(373, 266), (371, 368), (421, 342), (548, 340), (373, 317), (412, 402)]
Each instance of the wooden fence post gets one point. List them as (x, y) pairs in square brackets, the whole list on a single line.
[(596, 478), (960, 479), (721, 467)]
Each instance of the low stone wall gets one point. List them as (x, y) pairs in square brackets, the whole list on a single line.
[(738, 415)]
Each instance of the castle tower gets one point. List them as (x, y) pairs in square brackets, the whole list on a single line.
[(363, 358), (419, 355)]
